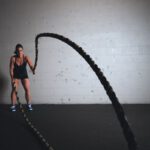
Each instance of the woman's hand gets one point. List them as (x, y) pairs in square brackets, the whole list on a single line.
[(33, 71), (13, 83)]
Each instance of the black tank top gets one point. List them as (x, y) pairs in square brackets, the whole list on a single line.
[(20, 71)]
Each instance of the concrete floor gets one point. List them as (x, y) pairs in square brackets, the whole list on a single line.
[(74, 127)]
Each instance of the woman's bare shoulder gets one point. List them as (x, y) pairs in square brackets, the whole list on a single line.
[(26, 57), (12, 58)]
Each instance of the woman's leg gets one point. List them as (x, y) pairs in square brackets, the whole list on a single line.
[(13, 92), (26, 85)]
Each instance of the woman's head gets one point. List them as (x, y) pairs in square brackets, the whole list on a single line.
[(19, 50)]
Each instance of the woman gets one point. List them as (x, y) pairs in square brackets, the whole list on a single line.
[(18, 72)]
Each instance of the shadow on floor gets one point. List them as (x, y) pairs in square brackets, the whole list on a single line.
[(3, 86)]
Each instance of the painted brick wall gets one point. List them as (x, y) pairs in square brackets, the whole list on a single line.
[(115, 33)]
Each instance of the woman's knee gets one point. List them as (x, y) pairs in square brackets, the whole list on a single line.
[(15, 85), (27, 91), (26, 84)]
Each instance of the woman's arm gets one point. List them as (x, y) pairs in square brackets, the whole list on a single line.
[(30, 63), (11, 68)]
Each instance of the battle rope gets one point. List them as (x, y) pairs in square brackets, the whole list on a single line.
[(129, 136), (30, 124)]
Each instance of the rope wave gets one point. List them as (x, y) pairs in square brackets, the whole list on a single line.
[(128, 134)]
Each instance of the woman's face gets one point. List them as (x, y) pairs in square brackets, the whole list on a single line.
[(20, 52)]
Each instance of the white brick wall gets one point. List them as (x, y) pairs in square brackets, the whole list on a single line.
[(115, 33)]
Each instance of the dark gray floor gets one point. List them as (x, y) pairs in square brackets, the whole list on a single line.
[(74, 127)]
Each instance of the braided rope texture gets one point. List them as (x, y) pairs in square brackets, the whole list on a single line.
[(128, 134), (31, 125)]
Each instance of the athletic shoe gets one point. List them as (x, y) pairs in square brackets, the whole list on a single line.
[(29, 106), (13, 108)]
